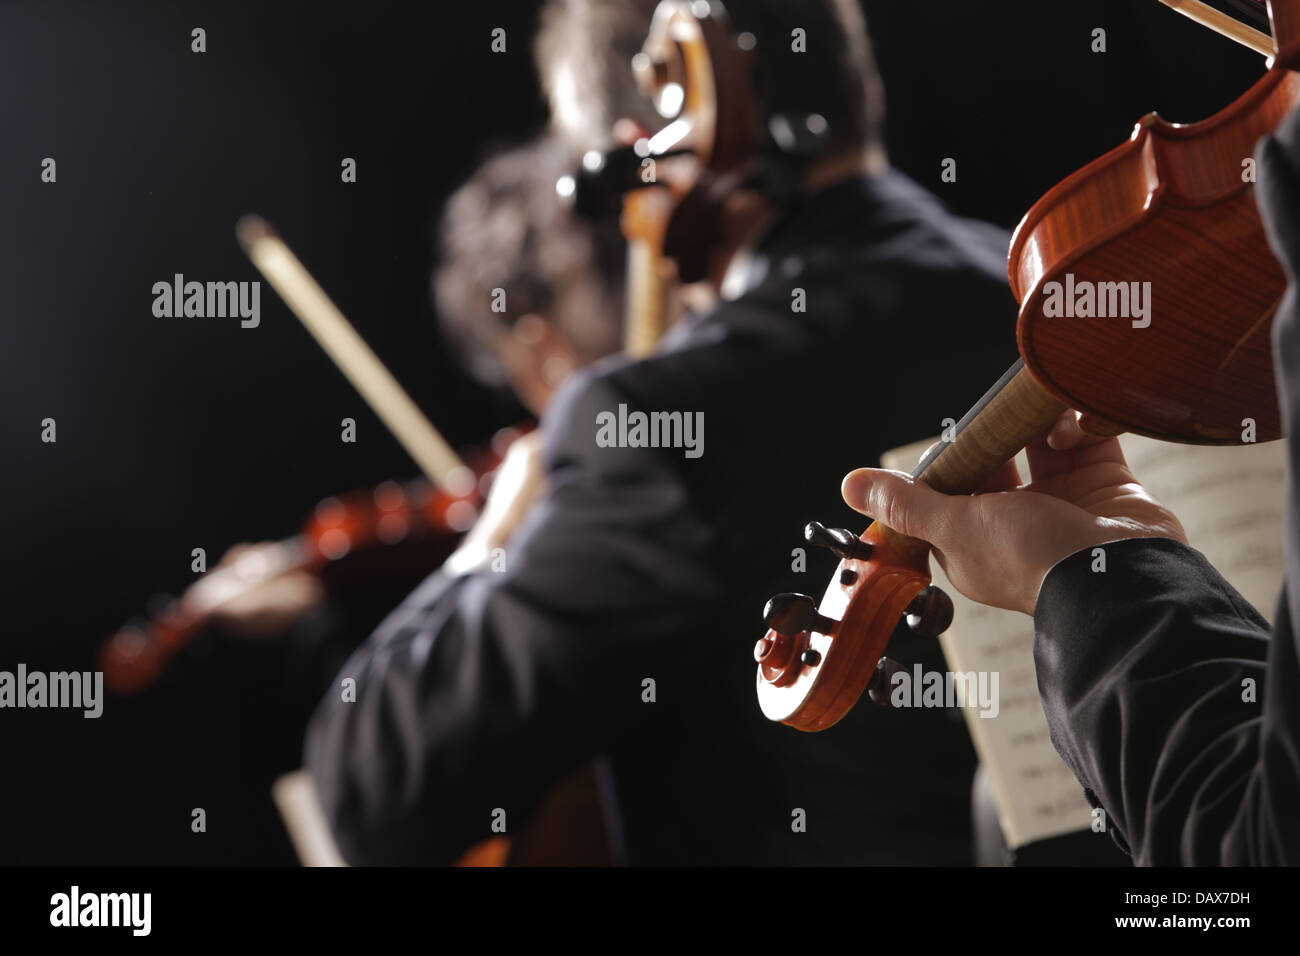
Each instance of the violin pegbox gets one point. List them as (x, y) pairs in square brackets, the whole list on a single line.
[(815, 661)]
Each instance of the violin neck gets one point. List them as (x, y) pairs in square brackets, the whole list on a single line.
[(646, 309), (1012, 413)]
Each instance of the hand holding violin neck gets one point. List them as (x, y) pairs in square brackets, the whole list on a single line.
[(1009, 415)]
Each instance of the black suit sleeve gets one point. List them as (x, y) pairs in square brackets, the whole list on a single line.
[(1171, 705), (608, 565)]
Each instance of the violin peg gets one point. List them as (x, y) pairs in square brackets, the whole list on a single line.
[(792, 614), (882, 680), (930, 613), (842, 542)]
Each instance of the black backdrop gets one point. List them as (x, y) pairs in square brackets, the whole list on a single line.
[(183, 433)]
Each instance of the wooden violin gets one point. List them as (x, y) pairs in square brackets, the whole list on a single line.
[(389, 516), (1170, 215)]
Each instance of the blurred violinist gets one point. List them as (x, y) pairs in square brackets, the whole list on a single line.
[(620, 619), (504, 229)]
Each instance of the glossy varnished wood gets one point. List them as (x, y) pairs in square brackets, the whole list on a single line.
[(1169, 207), (866, 614)]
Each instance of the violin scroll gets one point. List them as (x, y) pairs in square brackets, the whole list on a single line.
[(883, 578), (815, 662)]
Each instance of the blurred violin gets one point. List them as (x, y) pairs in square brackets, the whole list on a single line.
[(1169, 217), (693, 70), (675, 185), (402, 520)]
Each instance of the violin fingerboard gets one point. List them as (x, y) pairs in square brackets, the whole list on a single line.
[(1012, 413)]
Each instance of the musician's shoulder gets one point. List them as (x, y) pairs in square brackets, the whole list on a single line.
[(620, 413)]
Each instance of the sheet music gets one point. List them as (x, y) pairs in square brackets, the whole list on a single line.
[(1230, 500)]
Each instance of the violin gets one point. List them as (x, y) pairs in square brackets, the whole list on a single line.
[(1168, 217), (388, 516)]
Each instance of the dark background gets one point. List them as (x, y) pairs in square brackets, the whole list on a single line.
[(182, 433)]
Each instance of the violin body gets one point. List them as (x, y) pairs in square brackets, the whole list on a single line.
[(1168, 217)]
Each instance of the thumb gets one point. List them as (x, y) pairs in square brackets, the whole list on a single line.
[(900, 503)]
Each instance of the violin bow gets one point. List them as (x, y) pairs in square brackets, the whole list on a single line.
[(355, 359), (1224, 25)]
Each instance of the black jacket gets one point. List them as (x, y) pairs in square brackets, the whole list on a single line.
[(1141, 668), (641, 563)]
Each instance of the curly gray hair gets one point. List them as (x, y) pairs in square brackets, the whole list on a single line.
[(506, 228)]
